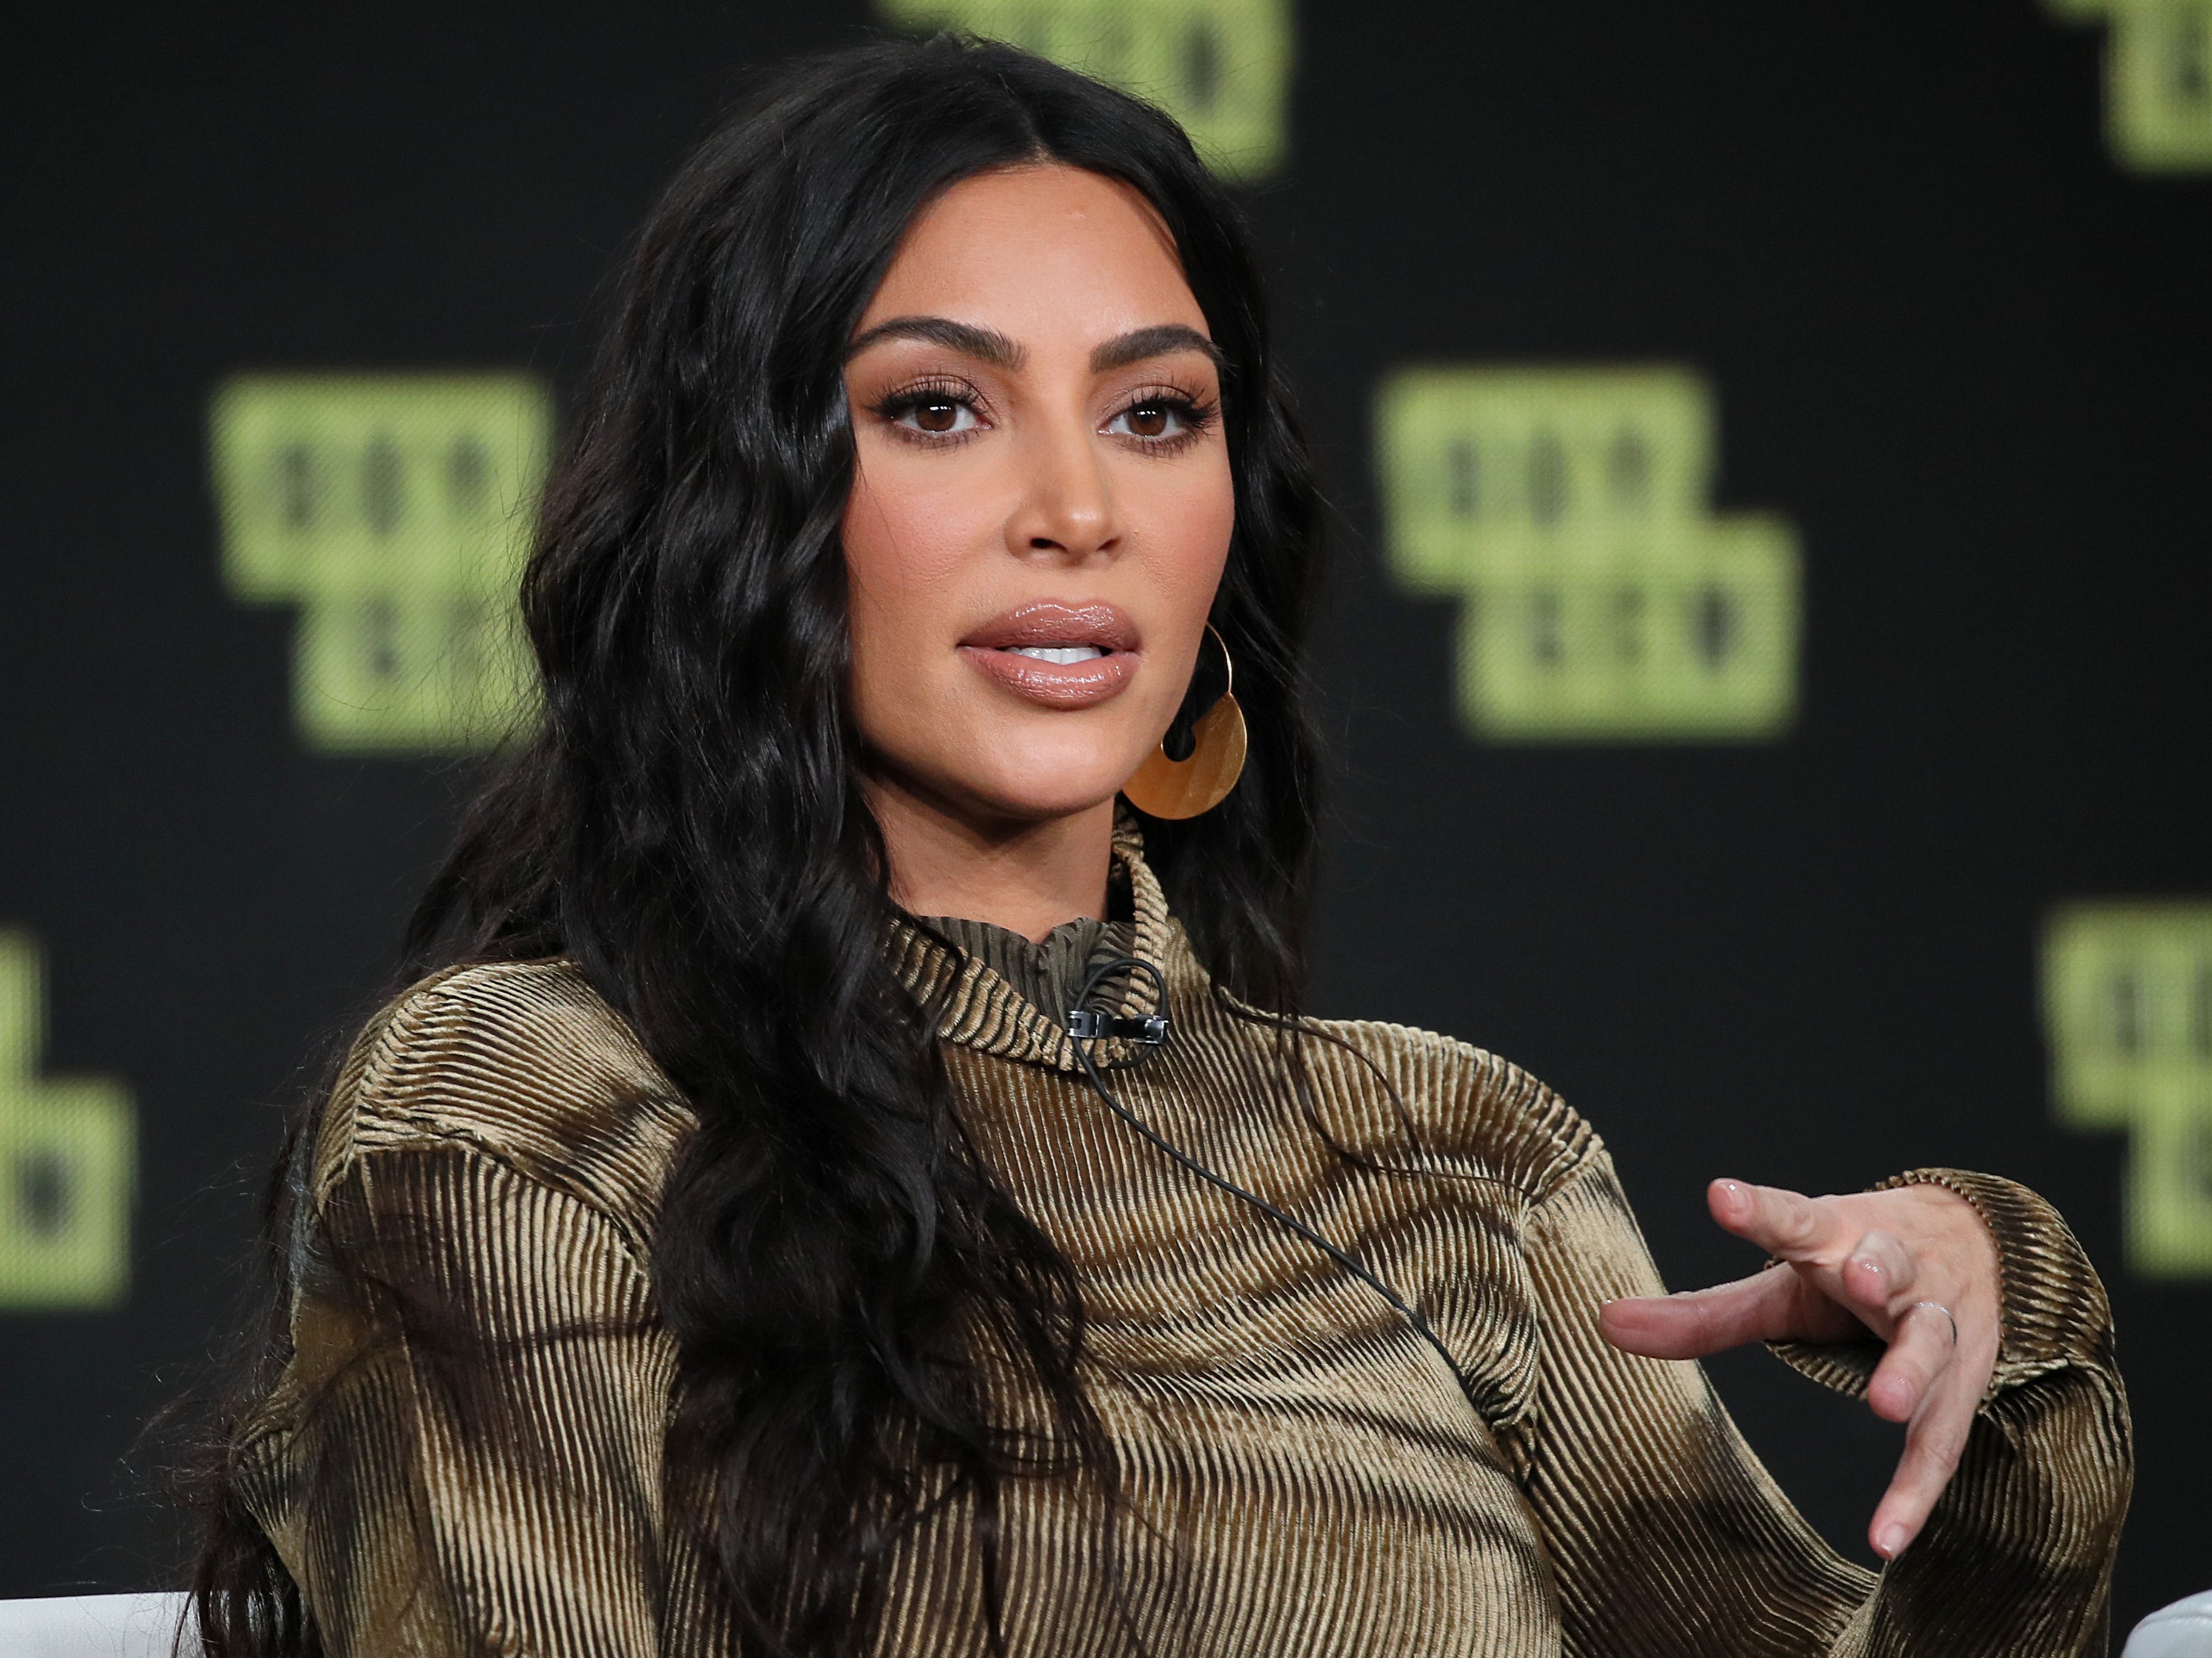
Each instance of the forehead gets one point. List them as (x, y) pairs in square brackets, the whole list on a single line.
[(1038, 253)]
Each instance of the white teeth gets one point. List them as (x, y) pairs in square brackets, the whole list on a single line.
[(1062, 655)]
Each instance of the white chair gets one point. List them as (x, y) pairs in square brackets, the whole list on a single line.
[(145, 1626), (2183, 1629), (92, 1626)]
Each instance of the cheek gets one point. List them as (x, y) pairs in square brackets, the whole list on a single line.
[(1214, 519), (1192, 517), (890, 546), (903, 543), (885, 580)]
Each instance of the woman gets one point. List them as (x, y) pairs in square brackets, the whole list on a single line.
[(852, 1175)]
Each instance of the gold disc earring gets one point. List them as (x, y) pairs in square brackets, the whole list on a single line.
[(1184, 788)]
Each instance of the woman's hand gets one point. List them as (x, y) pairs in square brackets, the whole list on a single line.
[(1914, 1266)]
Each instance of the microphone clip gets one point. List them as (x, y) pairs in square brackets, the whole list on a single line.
[(1149, 1031)]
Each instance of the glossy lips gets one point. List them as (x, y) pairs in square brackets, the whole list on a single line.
[(995, 649)]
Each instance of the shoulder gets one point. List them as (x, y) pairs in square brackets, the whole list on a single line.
[(1468, 1107), (522, 1063)]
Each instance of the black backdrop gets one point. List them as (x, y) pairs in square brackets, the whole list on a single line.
[(1968, 357)]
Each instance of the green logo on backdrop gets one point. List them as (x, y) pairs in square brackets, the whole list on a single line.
[(2127, 1006), (1220, 67), (1565, 509), (2158, 81), (395, 511), (68, 1157)]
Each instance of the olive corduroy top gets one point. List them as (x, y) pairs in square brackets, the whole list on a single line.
[(466, 1453)]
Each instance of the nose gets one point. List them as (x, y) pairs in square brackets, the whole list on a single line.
[(1067, 508)]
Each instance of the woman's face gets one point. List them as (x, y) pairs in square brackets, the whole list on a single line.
[(1042, 506)]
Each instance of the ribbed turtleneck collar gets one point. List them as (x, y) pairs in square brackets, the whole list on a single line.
[(1048, 973), (1003, 994)]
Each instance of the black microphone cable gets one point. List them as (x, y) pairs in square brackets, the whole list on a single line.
[(1148, 1032)]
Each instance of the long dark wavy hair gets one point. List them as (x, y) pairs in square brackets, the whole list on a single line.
[(686, 823)]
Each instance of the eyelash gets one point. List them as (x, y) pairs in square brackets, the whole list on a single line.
[(910, 399), (1196, 414)]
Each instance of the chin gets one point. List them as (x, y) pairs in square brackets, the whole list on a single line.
[(1034, 801), (1034, 784)]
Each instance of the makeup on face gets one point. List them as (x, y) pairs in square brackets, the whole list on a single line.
[(1042, 502), (942, 406), (1058, 655)]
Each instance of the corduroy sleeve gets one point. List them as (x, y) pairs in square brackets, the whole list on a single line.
[(1669, 1537), (480, 1397)]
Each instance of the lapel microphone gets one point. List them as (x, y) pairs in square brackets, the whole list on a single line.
[(1149, 1031)]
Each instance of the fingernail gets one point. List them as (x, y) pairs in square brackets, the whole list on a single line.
[(1891, 1543)]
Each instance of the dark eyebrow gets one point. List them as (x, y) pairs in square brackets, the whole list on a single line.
[(984, 344), (1154, 341)]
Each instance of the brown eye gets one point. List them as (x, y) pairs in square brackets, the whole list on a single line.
[(1161, 422), (930, 412)]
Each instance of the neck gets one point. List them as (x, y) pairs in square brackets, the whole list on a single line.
[(1028, 876)]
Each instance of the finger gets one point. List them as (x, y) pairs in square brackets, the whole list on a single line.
[(1919, 1352), (1877, 1276), (1785, 1224), (1764, 1307), (1933, 1446)]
